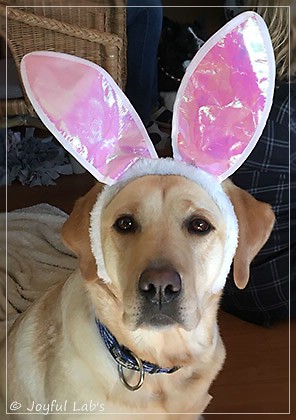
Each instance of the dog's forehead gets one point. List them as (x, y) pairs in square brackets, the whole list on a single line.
[(161, 191)]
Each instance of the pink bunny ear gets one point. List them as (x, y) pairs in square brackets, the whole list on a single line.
[(225, 97), (87, 112)]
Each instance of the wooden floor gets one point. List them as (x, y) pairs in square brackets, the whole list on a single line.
[(255, 378)]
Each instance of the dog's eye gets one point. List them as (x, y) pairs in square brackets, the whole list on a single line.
[(198, 225), (125, 224)]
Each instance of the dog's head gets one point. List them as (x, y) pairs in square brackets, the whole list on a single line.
[(179, 40), (178, 45), (160, 243)]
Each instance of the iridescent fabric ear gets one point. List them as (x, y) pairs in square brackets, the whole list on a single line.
[(225, 97), (87, 112)]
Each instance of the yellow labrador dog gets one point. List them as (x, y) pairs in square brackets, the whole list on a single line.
[(163, 243), (134, 330)]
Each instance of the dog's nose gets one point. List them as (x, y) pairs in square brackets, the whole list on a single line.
[(160, 286)]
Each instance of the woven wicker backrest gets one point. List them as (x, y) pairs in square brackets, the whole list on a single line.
[(92, 32)]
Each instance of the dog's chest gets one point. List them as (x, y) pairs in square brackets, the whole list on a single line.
[(160, 393)]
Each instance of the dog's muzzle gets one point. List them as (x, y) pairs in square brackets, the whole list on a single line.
[(160, 289)]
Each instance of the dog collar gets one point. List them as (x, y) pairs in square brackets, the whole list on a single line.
[(177, 79), (127, 359)]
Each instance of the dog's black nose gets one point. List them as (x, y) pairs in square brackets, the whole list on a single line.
[(160, 286)]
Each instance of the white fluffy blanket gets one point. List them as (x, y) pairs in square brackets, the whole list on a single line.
[(36, 258)]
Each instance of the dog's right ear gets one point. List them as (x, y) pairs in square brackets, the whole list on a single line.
[(75, 233)]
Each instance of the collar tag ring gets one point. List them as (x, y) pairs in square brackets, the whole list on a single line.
[(141, 377)]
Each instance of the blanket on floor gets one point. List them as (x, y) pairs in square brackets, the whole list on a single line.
[(35, 259)]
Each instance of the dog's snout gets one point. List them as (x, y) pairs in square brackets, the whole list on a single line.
[(160, 286)]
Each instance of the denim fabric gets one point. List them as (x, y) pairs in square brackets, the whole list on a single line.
[(144, 25)]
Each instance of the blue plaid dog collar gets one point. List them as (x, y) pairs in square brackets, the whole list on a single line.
[(126, 359)]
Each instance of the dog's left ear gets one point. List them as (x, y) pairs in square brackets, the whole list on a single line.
[(75, 233), (255, 223)]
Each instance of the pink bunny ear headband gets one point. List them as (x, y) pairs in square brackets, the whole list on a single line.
[(220, 111)]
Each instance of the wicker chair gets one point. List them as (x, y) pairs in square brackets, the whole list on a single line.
[(96, 33)]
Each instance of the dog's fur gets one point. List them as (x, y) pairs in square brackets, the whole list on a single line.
[(54, 349), (178, 45)]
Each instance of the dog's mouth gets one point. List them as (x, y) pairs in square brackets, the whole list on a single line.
[(159, 318)]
